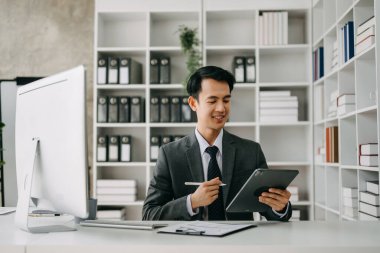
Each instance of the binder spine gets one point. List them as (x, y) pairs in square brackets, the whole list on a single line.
[(102, 109), (165, 71), (154, 71), (186, 112), (136, 110), (102, 71), (113, 109), (175, 110), (102, 149), (113, 70), (154, 109), (164, 110), (155, 142), (125, 148), (113, 148), (250, 70), (124, 110), (125, 70), (239, 69)]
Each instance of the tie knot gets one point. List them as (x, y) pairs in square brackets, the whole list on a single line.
[(212, 151)]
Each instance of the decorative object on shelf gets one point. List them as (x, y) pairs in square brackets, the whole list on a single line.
[(190, 46)]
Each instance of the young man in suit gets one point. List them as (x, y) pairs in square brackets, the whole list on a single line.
[(210, 155)]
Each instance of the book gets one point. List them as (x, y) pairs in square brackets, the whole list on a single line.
[(367, 217), (369, 198), (275, 93), (369, 160), (366, 33), (279, 111), (372, 186), (116, 183), (366, 24), (116, 190), (350, 40), (351, 202), (275, 99), (349, 192), (369, 149), (346, 99), (103, 199), (369, 209), (279, 104), (366, 43), (346, 108)]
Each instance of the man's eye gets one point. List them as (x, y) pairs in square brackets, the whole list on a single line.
[(211, 102)]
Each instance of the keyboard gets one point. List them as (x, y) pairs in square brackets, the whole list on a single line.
[(140, 225), (6, 210)]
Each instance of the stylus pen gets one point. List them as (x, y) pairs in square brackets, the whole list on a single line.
[(199, 183)]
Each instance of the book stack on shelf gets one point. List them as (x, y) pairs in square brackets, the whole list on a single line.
[(123, 109), (244, 69), (294, 197), (160, 70), (350, 202), (333, 105), (111, 214), (346, 103), (318, 65), (365, 37), (296, 215), (278, 106), (116, 191), (368, 154), (114, 148), (332, 148), (273, 28), (335, 57), (346, 37), (369, 202)]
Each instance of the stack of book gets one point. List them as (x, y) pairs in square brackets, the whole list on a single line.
[(350, 202), (332, 109), (346, 38), (365, 36), (111, 214), (318, 69), (346, 103), (369, 202), (334, 58), (296, 215), (278, 106), (332, 151), (273, 28), (116, 192), (294, 197), (368, 154)]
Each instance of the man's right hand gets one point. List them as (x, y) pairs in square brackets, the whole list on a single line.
[(206, 193)]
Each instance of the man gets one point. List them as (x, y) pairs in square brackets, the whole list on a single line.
[(210, 155)]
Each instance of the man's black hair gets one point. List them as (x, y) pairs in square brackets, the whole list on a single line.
[(194, 83)]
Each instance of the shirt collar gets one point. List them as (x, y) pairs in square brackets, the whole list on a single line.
[(203, 144)]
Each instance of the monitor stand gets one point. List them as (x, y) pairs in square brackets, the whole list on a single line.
[(24, 198)]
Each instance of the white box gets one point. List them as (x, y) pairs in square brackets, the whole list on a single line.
[(369, 198), (369, 149), (346, 99), (372, 186), (369, 209), (116, 190), (366, 24), (367, 217), (346, 108), (369, 160), (351, 202), (363, 45), (115, 183), (350, 192), (370, 31)]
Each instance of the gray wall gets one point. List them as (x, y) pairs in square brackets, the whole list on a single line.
[(43, 37)]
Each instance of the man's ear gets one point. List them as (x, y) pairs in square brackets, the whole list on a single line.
[(193, 103)]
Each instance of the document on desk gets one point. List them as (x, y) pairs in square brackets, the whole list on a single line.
[(204, 228)]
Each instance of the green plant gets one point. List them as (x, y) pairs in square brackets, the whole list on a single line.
[(190, 47)]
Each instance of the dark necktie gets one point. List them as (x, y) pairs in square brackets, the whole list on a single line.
[(216, 209)]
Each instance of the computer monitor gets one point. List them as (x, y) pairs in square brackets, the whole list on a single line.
[(51, 152)]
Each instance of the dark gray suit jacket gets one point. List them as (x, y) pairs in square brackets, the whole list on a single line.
[(180, 161)]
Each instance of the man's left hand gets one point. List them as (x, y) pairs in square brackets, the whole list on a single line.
[(275, 198)]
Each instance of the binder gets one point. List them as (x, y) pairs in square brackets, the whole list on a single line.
[(166, 139), (113, 70), (102, 109), (250, 70), (154, 109), (113, 148), (175, 109), (164, 109), (130, 71), (102, 149), (165, 70), (125, 148), (137, 112), (186, 112), (155, 142), (154, 71), (124, 110), (113, 109), (102, 70), (239, 69)]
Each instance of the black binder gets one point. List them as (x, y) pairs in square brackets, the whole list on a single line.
[(164, 109), (166, 139), (113, 70), (165, 70), (155, 142), (130, 71), (137, 111), (125, 148), (102, 149), (239, 69), (186, 112), (102, 70), (113, 148), (113, 109), (175, 109), (154, 71), (250, 70), (154, 109), (102, 109), (124, 109)]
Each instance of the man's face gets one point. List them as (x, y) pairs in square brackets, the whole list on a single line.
[(213, 104)]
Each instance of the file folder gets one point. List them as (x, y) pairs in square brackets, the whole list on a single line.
[(137, 112), (102, 109), (102, 149), (113, 149), (113, 109), (175, 109), (102, 70), (250, 70), (164, 109), (154, 71), (130, 71), (154, 109), (124, 110), (239, 69), (155, 142), (113, 70), (125, 153), (165, 71), (186, 112)]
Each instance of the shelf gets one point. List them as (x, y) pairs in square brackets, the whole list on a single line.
[(121, 86), (121, 125), (230, 48), (299, 123), (166, 87), (166, 49), (290, 48), (131, 50), (173, 125), (284, 84)]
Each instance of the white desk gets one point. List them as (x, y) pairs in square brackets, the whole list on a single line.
[(318, 237)]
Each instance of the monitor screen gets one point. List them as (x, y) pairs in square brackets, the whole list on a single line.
[(51, 153)]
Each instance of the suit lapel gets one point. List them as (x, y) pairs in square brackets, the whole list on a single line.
[(194, 159), (228, 161)]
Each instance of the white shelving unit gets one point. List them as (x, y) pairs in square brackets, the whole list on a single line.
[(359, 75), (144, 28)]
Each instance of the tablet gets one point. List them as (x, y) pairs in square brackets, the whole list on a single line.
[(247, 199)]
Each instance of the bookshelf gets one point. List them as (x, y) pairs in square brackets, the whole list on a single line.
[(358, 75), (145, 29)]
